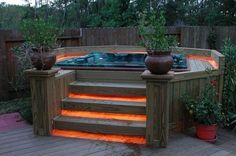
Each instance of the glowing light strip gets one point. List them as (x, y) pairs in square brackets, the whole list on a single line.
[(104, 115), (111, 98), (100, 137), (67, 56), (208, 59)]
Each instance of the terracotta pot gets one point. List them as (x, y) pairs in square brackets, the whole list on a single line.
[(43, 61), (206, 132), (159, 62)]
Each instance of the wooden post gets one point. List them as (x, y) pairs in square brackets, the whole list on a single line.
[(43, 88), (158, 94)]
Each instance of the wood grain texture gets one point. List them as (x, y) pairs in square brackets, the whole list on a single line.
[(47, 89), (157, 110), (109, 76), (104, 106), (63, 79), (192, 87), (105, 88), (192, 83), (179, 145), (100, 125), (220, 60)]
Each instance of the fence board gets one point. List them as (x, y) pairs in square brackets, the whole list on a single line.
[(3, 70), (196, 36)]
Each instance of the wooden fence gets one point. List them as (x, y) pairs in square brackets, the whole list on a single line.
[(117, 36), (196, 36), (187, 36)]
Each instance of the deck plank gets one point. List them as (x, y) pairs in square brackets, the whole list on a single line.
[(27, 143), (93, 147), (13, 132), (52, 147), (179, 144), (198, 65)]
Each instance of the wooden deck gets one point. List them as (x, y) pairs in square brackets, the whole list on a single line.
[(22, 142)]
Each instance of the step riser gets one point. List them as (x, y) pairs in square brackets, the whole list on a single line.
[(109, 76), (107, 90), (94, 128), (104, 108), (102, 137)]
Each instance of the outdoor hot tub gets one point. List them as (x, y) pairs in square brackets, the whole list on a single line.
[(117, 60), (114, 65)]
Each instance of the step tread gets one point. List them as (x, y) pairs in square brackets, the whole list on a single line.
[(125, 107), (110, 84), (121, 123), (104, 102)]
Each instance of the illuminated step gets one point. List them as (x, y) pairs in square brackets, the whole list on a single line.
[(103, 126), (101, 137), (109, 88), (141, 99), (104, 115), (97, 105)]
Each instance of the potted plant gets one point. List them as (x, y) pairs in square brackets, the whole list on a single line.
[(206, 112), (42, 36), (153, 35)]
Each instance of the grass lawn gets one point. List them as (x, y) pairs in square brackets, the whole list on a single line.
[(22, 105)]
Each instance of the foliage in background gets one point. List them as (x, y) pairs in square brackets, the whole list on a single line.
[(229, 92), (232, 121), (40, 33), (211, 39), (204, 109), (152, 30), (20, 82), (118, 13)]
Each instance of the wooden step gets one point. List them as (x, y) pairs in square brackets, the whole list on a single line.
[(109, 76), (98, 136), (91, 125), (109, 88), (104, 106)]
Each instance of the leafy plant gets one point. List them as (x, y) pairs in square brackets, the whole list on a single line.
[(20, 82), (204, 109), (232, 118), (41, 34), (153, 32), (211, 39), (229, 90)]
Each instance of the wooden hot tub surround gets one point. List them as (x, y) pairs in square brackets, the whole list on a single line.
[(122, 106)]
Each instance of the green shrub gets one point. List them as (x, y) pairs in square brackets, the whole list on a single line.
[(153, 32), (211, 39), (40, 33), (204, 109), (232, 119), (20, 84), (229, 91)]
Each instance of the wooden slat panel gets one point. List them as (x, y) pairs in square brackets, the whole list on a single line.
[(118, 89), (62, 81), (25, 144), (94, 75), (100, 126), (104, 106)]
